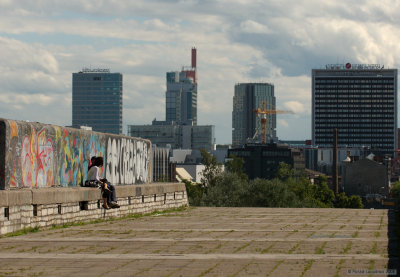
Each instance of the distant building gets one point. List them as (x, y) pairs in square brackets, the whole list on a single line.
[(161, 165), (262, 160), (180, 129), (360, 101), (181, 94), (247, 97), (97, 100), (365, 177), (176, 136)]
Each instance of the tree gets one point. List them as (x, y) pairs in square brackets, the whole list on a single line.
[(235, 165), (396, 190), (211, 171), (229, 191), (342, 201), (355, 202), (194, 192), (323, 193), (284, 171)]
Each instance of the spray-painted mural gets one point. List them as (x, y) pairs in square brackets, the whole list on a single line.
[(39, 155), (127, 161)]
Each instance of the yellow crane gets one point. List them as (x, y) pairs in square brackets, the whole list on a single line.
[(262, 113)]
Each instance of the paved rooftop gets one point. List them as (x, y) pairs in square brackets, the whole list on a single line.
[(210, 242)]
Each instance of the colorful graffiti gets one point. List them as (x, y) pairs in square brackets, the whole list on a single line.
[(37, 160), (39, 155), (13, 146), (127, 161), (73, 169)]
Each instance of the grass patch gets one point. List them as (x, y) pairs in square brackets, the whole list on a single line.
[(320, 250), (355, 234), (23, 231), (110, 220), (307, 267), (373, 250), (339, 267), (275, 267), (208, 270), (242, 247), (266, 250), (347, 248), (293, 248)]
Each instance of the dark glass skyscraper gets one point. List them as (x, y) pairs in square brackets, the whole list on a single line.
[(97, 100), (360, 101), (247, 98)]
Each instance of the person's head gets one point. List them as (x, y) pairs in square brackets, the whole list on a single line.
[(98, 161)]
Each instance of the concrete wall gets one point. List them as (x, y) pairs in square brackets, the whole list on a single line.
[(47, 207), (35, 155)]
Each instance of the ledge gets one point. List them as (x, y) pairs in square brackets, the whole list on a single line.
[(43, 196)]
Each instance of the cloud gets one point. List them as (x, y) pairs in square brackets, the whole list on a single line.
[(294, 106), (279, 42), (282, 122), (250, 26)]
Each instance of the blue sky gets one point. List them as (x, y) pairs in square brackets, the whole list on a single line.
[(43, 42)]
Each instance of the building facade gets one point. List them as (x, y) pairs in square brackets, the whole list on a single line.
[(247, 98), (360, 101), (181, 94), (176, 136), (262, 160), (97, 100)]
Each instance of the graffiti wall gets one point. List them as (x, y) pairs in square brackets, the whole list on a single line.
[(34, 155)]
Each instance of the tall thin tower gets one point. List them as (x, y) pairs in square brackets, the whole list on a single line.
[(181, 94)]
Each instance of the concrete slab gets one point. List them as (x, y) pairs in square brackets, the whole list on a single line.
[(211, 242)]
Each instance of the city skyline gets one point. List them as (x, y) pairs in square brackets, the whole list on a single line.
[(237, 42)]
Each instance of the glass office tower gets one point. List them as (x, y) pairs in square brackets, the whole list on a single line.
[(360, 101), (97, 100), (247, 98), (181, 98)]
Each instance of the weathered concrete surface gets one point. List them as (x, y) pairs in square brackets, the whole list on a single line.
[(211, 242)]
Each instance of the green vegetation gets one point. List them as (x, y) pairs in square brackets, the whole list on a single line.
[(23, 232), (233, 189)]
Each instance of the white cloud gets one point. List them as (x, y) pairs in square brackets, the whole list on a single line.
[(294, 106), (282, 122), (44, 42), (250, 26)]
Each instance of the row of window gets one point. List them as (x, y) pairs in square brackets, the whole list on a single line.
[(351, 81), (340, 87), (352, 125)]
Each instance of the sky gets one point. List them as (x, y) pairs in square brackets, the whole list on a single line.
[(43, 42)]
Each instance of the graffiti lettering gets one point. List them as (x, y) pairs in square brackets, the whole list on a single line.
[(127, 161)]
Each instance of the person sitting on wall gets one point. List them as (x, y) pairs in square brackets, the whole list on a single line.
[(108, 190)]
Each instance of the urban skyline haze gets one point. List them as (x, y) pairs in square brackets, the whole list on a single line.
[(43, 42)]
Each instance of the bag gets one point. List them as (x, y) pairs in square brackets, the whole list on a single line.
[(91, 183)]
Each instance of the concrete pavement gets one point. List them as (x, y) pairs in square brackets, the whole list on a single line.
[(211, 242)]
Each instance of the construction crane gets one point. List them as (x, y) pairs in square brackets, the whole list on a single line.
[(262, 113)]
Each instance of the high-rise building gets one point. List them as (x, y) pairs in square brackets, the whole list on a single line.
[(360, 101), (247, 98), (181, 95), (180, 129), (97, 100)]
